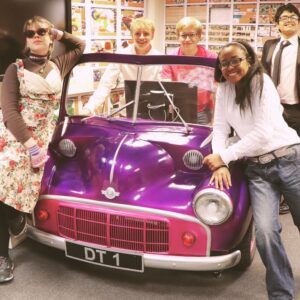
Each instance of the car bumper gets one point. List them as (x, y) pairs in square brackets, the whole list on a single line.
[(187, 263)]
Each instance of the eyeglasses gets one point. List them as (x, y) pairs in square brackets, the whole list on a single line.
[(289, 18), (31, 33), (192, 35), (233, 62)]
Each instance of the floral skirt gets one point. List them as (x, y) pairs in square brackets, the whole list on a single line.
[(19, 182)]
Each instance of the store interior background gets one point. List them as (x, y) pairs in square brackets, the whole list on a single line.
[(154, 10), (223, 20), (52, 266)]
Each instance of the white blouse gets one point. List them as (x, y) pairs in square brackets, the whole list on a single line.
[(260, 131)]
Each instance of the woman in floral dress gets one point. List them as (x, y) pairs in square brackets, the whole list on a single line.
[(30, 95)]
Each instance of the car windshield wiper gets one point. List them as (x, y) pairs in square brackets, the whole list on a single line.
[(135, 102), (187, 128), (120, 109)]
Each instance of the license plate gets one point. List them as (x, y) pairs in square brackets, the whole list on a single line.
[(105, 258)]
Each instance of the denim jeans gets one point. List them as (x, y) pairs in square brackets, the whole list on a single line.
[(267, 182)]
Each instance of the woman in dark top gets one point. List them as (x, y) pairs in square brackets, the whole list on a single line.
[(30, 95)]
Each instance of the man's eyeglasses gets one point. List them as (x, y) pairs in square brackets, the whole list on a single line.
[(288, 18), (31, 33), (233, 62), (184, 36)]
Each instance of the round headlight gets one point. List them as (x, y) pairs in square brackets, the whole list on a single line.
[(212, 206), (67, 148)]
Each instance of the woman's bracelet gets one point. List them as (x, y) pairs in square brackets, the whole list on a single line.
[(219, 167)]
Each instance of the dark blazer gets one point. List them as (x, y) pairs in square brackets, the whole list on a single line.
[(266, 59)]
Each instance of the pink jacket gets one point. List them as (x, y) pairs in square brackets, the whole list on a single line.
[(200, 76)]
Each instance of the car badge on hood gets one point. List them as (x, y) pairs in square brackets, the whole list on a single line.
[(110, 193)]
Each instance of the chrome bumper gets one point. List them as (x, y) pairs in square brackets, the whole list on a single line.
[(187, 263)]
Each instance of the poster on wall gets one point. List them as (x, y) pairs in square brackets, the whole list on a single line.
[(125, 43), (103, 21), (174, 1), (267, 12), (196, 1), (244, 13), (104, 2), (133, 3), (127, 16), (78, 20), (108, 46)]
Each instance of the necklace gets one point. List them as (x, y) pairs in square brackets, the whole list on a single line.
[(42, 69), (42, 60)]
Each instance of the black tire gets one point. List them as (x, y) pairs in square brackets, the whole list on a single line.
[(248, 248)]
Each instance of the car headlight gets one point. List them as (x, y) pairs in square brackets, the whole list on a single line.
[(67, 148), (212, 206)]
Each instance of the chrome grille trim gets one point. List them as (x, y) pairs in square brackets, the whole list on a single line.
[(111, 229)]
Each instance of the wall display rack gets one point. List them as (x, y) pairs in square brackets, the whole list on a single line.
[(225, 20), (103, 23)]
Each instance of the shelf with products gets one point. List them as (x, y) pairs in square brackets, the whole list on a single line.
[(197, 10), (104, 23), (76, 101), (104, 27), (83, 83), (226, 20), (175, 2)]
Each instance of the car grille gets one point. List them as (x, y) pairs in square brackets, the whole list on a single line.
[(114, 230)]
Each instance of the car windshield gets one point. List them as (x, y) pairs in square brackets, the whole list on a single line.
[(161, 92)]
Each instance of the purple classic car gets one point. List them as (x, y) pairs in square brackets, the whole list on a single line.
[(125, 187)]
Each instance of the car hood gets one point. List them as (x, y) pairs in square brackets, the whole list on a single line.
[(140, 167)]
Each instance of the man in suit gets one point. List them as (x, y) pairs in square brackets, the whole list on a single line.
[(284, 67)]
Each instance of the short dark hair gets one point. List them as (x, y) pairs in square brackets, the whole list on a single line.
[(244, 93), (286, 7), (249, 52)]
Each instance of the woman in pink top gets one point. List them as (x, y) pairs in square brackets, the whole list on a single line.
[(189, 31)]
